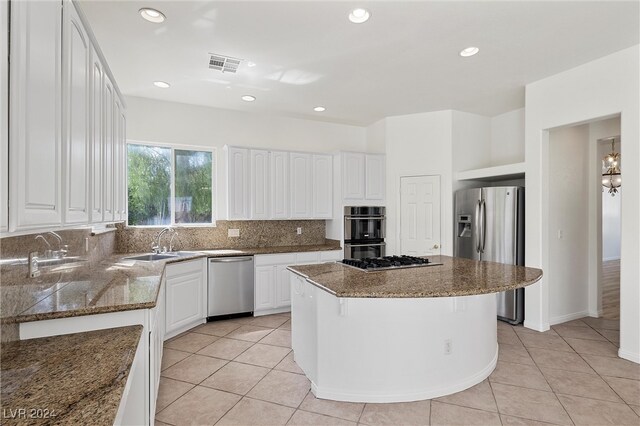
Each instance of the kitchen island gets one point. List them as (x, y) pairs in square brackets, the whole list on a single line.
[(402, 334)]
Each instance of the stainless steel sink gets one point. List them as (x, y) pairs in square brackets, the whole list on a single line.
[(184, 253), (152, 257)]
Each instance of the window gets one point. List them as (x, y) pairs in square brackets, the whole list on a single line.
[(169, 186)]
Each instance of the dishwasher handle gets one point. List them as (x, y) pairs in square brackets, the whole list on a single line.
[(230, 259)]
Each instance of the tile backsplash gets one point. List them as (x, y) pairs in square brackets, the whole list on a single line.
[(252, 233)]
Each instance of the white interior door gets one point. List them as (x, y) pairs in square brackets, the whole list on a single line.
[(420, 215)]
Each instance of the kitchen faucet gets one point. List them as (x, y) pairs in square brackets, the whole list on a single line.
[(155, 244), (62, 251), (171, 240)]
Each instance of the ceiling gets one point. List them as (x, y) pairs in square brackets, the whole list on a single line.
[(403, 60)]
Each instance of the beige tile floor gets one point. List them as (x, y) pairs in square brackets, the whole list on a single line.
[(241, 372)]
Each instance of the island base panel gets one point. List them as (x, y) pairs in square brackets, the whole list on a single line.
[(391, 349)]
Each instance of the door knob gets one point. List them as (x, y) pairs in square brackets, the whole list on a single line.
[(436, 246)]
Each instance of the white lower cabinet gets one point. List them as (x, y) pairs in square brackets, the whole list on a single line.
[(304, 337), (156, 346), (132, 409), (273, 280), (185, 296), (264, 284), (270, 271), (283, 286)]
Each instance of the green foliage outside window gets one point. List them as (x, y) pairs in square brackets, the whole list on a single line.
[(149, 185), (193, 186)]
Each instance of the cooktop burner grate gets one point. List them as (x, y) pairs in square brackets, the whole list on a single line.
[(372, 264)]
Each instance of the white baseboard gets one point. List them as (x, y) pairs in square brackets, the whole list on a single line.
[(631, 356), (536, 325), (568, 317), (272, 311), (184, 328)]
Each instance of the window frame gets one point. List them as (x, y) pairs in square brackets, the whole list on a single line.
[(173, 148)]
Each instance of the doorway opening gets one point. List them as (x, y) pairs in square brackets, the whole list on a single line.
[(609, 288), (583, 234)]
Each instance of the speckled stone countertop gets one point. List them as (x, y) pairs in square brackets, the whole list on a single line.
[(113, 284), (73, 379), (455, 277)]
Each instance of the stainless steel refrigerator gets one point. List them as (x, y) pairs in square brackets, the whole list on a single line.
[(489, 225)]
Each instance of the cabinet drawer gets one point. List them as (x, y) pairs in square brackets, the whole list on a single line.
[(333, 255), (274, 259), (182, 268), (308, 257)]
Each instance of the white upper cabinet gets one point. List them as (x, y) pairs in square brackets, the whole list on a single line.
[(108, 150), (123, 165), (120, 178), (322, 186), (279, 185), (301, 185), (96, 152), (353, 176), (374, 177), (35, 126), (265, 185), (4, 125), (260, 187), (363, 177), (238, 183), (76, 73), (67, 123)]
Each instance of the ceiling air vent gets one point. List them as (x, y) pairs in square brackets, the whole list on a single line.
[(223, 63)]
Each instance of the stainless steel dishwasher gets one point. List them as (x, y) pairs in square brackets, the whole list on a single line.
[(230, 285)]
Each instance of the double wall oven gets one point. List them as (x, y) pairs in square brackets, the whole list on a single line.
[(364, 232)]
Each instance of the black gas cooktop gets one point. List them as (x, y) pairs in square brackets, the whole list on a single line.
[(372, 264)]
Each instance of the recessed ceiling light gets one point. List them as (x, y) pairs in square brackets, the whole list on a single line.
[(359, 15), (251, 64), (469, 51), (248, 98), (161, 84), (152, 15), (319, 109)]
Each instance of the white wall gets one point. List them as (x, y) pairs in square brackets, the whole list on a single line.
[(419, 144), (376, 134), (507, 138), (471, 141), (611, 226), (601, 88), (151, 120), (568, 268)]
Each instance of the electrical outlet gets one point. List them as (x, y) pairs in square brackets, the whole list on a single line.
[(448, 347), (233, 233), (299, 231)]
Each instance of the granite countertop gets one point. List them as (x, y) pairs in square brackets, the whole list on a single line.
[(71, 379), (455, 277), (110, 285)]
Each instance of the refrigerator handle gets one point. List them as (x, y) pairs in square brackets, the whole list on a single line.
[(483, 214), (477, 226)]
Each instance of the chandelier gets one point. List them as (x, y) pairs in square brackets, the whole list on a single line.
[(611, 178)]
